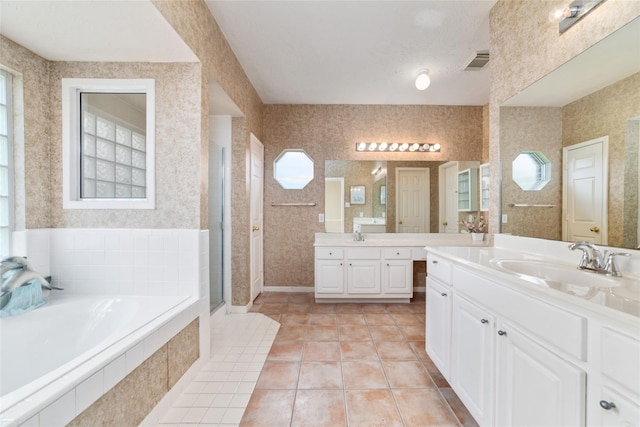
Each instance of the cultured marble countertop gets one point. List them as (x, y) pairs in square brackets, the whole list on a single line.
[(398, 240), (620, 302)]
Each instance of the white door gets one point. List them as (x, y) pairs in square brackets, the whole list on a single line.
[(334, 205), (397, 276), (257, 174), (329, 277), (363, 277), (412, 201), (448, 199), (584, 193), (534, 386)]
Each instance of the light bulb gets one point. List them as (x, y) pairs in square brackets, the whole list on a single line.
[(414, 147), (424, 147), (404, 146), (393, 146), (372, 146), (435, 147), (382, 146), (362, 146), (423, 81)]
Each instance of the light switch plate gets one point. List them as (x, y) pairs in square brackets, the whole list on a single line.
[(320, 218), (504, 218)]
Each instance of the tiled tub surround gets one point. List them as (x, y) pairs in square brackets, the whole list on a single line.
[(493, 327), (175, 264)]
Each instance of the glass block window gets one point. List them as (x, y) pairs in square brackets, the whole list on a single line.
[(113, 157), (6, 163)]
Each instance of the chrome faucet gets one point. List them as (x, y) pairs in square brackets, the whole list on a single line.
[(597, 262), (358, 236), (17, 272)]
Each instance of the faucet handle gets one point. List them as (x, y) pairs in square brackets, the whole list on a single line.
[(611, 267)]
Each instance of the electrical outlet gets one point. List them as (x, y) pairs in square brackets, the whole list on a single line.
[(504, 218), (347, 204), (320, 218), (470, 218)]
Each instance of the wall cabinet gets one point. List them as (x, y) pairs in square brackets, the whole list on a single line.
[(378, 273), (468, 190), (484, 187)]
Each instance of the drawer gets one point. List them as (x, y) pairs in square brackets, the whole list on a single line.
[(419, 254), (439, 268), (397, 253), (620, 359), (329, 253), (363, 253), (555, 326)]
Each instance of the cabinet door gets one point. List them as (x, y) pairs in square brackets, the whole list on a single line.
[(473, 358), (398, 277), (364, 277), (535, 386), (329, 276), (623, 412), (438, 324)]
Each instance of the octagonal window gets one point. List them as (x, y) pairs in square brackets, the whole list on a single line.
[(531, 170), (293, 169)]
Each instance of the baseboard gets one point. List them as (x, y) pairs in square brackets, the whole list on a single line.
[(288, 289), (240, 309)]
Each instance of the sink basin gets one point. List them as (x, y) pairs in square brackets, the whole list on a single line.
[(558, 276)]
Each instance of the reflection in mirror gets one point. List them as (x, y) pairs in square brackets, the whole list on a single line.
[(582, 100), (113, 145), (293, 169), (378, 213), (531, 170)]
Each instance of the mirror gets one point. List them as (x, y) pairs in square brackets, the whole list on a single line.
[(293, 169), (594, 95), (376, 210)]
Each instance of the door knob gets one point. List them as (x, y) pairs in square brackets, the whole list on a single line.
[(255, 228), (445, 223), (400, 222), (595, 229)]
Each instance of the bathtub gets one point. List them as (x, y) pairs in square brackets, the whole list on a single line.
[(48, 351)]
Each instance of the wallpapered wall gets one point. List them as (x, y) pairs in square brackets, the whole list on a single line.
[(514, 24), (330, 132)]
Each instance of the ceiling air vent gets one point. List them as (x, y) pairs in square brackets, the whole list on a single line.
[(477, 61)]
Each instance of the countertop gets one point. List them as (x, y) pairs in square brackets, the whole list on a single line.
[(398, 240)]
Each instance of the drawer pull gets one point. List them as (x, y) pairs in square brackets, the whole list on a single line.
[(607, 405), (443, 294), (501, 333), (484, 321)]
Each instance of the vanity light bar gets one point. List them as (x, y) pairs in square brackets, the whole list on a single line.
[(387, 147)]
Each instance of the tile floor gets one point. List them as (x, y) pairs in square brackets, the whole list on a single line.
[(329, 365)]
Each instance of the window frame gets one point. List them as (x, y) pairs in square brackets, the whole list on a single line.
[(71, 141), (10, 159)]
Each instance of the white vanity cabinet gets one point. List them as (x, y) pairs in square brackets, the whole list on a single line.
[(512, 359), (364, 272)]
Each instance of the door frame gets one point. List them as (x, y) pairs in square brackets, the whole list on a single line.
[(604, 228), (427, 212), (442, 208), (341, 180), (255, 142)]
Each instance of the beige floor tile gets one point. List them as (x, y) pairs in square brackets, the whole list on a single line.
[(294, 319), (358, 350), (395, 350), (408, 319), (349, 308), (269, 307), (435, 373), (399, 308), (323, 308), (386, 333), (407, 374), (302, 297), (363, 375), (298, 308), (286, 350), (279, 375), (423, 407), (320, 375), (323, 319), (418, 349), (413, 332), (291, 333), (319, 408), (350, 319), (321, 350), (269, 408), (379, 319), (460, 411), (354, 333), (374, 308), (321, 333), (371, 408)]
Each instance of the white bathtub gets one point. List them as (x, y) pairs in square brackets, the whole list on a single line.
[(45, 352)]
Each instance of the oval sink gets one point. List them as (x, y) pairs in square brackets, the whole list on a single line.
[(565, 278)]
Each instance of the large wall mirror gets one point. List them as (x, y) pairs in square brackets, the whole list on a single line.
[(585, 118), (108, 143), (389, 207)]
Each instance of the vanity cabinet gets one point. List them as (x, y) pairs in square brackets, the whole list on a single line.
[(368, 272), (501, 353), (468, 190)]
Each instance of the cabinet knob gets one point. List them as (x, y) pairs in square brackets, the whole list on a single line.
[(330, 253), (387, 264), (484, 321), (397, 253), (443, 294), (501, 333), (607, 405), (340, 264), (434, 262)]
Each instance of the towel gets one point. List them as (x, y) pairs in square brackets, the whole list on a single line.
[(23, 299)]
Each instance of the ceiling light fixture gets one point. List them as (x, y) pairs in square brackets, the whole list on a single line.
[(423, 81), (421, 147)]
